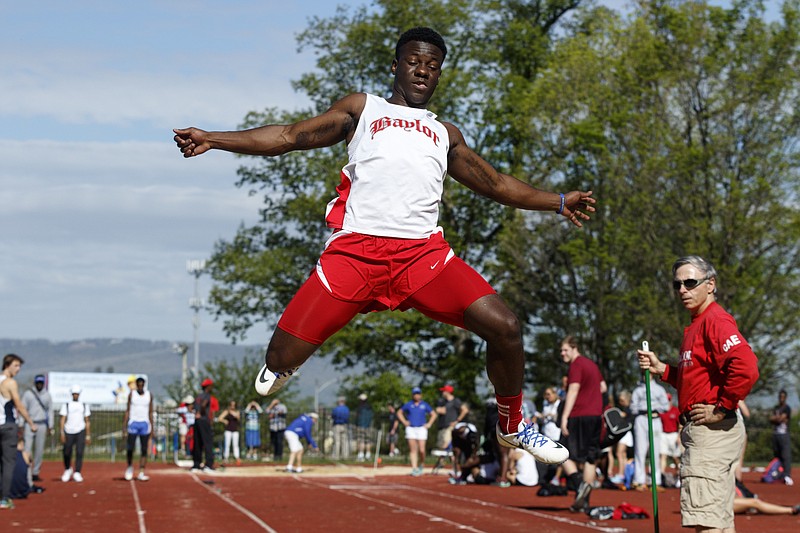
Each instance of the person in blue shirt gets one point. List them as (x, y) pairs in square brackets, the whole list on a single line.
[(414, 416), (341, 440), (300, 428)]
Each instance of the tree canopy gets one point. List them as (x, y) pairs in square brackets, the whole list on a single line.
[(680, 116)]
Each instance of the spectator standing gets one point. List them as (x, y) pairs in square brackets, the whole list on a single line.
[(138, 422), (276, 412), (10, 406), (75, 432), (391, 434), (364, 417), (581, 421), (39, 405), (340, 416), (450, 411), (414, 416), (232, 418), (641, 431), (781, 437), (717, 368), (670, 438), (252, 429), (204, 410), (300, 428), (186, 424)]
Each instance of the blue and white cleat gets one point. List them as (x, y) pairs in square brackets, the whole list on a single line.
[(269, 382), (542, 448)]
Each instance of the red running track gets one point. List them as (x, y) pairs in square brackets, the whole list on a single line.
[(237, 500)]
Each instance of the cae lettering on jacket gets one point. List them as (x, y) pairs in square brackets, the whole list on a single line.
[(408, 125), (734, 340)]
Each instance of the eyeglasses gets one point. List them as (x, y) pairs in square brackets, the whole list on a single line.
[(688, 283)]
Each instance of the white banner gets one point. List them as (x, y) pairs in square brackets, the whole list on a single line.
[(96, 388)]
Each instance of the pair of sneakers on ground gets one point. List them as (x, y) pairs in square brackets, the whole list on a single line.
[(295, 469), (68, 473), (141, 477), (526, 438)]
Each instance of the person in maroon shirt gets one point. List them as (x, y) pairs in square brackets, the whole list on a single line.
[(717, 368), (581, 422), (670, 439)]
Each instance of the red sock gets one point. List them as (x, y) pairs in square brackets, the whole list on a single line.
[(509, 409)]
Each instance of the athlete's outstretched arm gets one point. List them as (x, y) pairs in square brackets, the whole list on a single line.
[(334, 125), (470, 169)]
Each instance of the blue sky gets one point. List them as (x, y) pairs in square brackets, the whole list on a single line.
[(98, 211)]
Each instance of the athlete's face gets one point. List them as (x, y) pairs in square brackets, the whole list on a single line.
[(416, 73), (700, 296)]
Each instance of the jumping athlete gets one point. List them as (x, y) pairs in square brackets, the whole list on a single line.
[(386, 250)]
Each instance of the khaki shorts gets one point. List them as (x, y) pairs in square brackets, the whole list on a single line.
[(444, 437), (707, 473)]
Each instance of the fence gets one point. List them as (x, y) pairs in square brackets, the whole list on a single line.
[(108, 443)]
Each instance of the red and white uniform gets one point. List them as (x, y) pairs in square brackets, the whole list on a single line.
[(717, 365), (393, 182), (387, 247)]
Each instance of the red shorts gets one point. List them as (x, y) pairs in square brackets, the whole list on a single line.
[(360, 273)]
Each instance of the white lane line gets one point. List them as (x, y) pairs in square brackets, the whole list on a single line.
[(235, 505), (431, 517), (139, 511), (589, 525)]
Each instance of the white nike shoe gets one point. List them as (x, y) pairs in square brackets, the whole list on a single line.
[(542, 448), (129, 473), (269, 382)]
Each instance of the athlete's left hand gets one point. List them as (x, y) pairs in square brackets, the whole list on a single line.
[(576, 206)]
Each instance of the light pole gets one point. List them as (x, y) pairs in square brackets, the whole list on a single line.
[(319, 388), (196, 267), (181, 349)]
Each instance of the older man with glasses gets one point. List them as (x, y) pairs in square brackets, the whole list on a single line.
[(717, 368)]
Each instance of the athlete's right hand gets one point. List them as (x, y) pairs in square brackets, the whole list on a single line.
[(192, 141)]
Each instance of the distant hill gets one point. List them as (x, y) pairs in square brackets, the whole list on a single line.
[(154, 358)]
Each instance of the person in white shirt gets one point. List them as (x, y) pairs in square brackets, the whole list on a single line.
[(75, 432), (138, 422)]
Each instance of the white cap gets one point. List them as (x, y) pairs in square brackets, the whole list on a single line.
[(362, 396), (76, 389), (313, 415)]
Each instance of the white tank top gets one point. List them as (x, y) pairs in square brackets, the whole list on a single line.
[(392, 184), (7, 411), (140, 407)]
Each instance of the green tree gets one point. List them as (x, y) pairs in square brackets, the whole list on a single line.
[(684, 120)]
